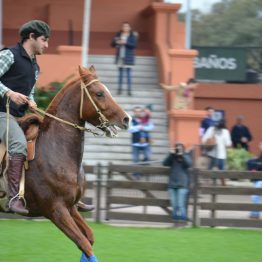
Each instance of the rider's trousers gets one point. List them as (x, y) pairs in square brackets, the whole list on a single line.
[(17, 141)]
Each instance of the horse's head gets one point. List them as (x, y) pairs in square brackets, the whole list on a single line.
[(97, 105)]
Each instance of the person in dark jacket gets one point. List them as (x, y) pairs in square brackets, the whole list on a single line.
[(125, 42), (240, 134), (208, 120), (178, 185)]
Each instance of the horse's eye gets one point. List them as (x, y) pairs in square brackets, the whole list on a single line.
[(100, 94)]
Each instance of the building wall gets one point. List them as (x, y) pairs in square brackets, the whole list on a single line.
[(234, 99), (106, 18)]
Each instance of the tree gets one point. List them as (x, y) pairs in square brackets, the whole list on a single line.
[(229, 23)]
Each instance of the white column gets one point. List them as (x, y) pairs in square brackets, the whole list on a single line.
[(85, 35), (188, 24)]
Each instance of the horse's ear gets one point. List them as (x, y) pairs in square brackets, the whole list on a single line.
[(92, 70), (82, 71)]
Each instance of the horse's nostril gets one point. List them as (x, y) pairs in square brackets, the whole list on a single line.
[(126, 121)]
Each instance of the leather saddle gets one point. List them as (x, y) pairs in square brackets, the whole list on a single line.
[(30, 125)]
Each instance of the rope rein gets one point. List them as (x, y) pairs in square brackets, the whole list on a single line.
[(7, 136), (103, 120)]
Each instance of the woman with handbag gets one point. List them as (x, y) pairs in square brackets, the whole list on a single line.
[(217, 153)]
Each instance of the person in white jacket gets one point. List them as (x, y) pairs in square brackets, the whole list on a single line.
[(218, 153)]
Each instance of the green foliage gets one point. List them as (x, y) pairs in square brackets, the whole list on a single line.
[(237, 158), (229, 23), (43, 96)]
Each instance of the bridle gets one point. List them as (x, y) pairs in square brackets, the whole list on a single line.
[(103, 120)]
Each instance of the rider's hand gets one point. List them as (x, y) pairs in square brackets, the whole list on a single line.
[(32, 105), (17, 98)]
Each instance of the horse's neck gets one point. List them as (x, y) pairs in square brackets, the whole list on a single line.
[(67, 139)]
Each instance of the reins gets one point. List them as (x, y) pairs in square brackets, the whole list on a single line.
[(103, 120)]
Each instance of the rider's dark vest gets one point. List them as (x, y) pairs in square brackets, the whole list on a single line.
[(21, 77)]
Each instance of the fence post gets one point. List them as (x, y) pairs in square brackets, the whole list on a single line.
[(213, 201), (98, 193), (195, 173), (108, 190)]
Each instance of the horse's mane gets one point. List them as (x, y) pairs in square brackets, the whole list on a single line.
[(85, 75), (56, 100)]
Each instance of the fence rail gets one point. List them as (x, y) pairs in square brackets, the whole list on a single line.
[(119, 195), (215, 205)]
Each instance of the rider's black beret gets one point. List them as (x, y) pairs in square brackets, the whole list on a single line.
[(37, 27)]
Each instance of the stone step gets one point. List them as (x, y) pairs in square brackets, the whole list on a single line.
[(153, 89), (136, 93), (110, 60), (156, 132), (105, 162), (139, 102), (126, 156), (135, 80), (135, 74), (142, 100), (113, 69), (123, 142), (145, 90), (117, 149)]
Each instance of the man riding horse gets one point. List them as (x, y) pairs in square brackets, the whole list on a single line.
[(18, 74)]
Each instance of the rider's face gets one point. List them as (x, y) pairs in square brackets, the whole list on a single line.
[(39, 45)]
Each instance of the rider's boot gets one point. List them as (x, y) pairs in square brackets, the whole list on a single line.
[(14, 175), (83, 207)]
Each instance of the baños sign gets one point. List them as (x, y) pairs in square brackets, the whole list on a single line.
[(220, 64)]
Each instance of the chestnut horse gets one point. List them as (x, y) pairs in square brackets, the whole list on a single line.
[(54, 183)]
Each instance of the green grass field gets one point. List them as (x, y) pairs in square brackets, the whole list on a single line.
[(40, 241)]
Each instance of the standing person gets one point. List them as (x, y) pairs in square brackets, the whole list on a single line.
[(145, 120), (207, 121), (140, 135), (218, 153), (18, 73), (240, 134), (125, 42), (188, 93), (178, 185), (255, 164)]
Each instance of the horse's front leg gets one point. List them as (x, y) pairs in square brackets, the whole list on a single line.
[(85, 229), (61, 217)]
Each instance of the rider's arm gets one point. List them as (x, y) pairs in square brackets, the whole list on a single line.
[(6, 60)]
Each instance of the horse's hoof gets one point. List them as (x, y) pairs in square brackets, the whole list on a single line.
[(84, 258), (92, 259), (82, 207)]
